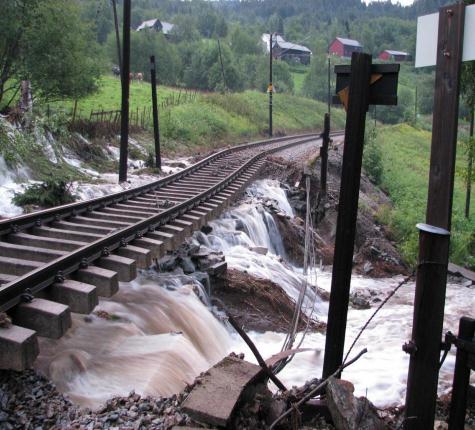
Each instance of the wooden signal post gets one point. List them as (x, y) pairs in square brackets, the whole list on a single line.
[(358, 86)]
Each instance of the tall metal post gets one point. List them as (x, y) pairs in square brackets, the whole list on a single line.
[(434, 236), (156, 129), (347, 211), (324, 154), (124, 123), (271, 88), (117, 37)]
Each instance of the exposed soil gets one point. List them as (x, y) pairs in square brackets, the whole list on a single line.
[(258, 304), (375, 251)]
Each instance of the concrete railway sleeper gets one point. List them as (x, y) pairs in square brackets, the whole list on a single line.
[(62, 260)]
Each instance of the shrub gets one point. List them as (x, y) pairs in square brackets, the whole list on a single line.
[(372, 158), (50, 193)]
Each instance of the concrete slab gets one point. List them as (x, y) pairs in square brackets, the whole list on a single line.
[(106, 281), (19, 348), (461, 271), (214, 399), (126, 268), (47, 318), (155, 246), (142, 256), (80, 297)]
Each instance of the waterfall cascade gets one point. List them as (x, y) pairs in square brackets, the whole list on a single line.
[(155, 335)]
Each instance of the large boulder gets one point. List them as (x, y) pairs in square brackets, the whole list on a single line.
[(349, 412)]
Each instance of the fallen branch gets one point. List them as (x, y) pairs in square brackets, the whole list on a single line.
[(317, 389), (256, 353)]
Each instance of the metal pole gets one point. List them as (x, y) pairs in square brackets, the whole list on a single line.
[(324, 154), (271, 89), (222, 65), (347, 211), (156, 129), (117, 38), (124, 125), (471, 151), (434, 236)]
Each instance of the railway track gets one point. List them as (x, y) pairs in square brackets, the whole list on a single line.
[(61, 260)]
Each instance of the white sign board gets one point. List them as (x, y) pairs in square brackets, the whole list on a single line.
[(427, 30)]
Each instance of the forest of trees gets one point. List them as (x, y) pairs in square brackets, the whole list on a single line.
[(63, 46)]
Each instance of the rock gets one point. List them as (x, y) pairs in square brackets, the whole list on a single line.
[(206, 229), (440, 425), (167, 263), (187, 265), (359, 302), (467, 284), (368, 267), (262, 250), (349, 412)]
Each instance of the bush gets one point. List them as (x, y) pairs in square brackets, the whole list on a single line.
[(50, 193), (372, 158)]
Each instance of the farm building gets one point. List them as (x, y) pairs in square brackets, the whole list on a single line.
[(286, 50), (157, 25), (344, 47), (388, 54)]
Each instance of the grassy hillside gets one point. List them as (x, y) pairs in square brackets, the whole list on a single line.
[(406, 157), (211, 118)]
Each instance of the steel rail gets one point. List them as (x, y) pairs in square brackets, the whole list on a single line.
[(58, 269), (13, 225)]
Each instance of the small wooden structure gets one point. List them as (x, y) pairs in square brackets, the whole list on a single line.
[(343, 47), (390, 55)]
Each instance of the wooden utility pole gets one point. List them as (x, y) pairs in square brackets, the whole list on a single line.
[(434, 236), (358, 102), (117, 38), (222, 66), (329, 85), (124, 124), (471, 151), (324, 155), (156, 129), (271, 88)]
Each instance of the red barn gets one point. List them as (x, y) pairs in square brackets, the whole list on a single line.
[(344, 47), (388, 54)]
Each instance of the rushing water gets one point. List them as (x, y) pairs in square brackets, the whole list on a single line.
[(159, 335)]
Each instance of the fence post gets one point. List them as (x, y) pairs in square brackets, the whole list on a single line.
[(156, 127), (458, 404), (347, 211)]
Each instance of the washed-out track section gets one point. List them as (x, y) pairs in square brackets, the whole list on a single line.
[(57, 261)]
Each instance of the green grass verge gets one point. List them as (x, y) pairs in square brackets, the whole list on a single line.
[(406, 158), (211, 118)]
